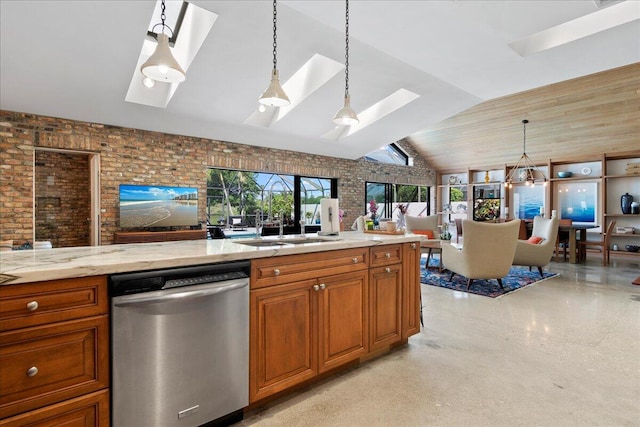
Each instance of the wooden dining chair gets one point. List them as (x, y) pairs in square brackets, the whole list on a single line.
[(563, 237), (604, 244)]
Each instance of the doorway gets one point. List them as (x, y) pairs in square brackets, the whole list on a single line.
[(66, 198)]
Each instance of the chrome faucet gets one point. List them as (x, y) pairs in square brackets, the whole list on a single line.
[(281, 235), (259, 224)]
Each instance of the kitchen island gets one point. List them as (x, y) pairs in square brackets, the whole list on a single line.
[(337, 300)]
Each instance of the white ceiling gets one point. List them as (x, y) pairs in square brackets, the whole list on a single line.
[(75, 59)]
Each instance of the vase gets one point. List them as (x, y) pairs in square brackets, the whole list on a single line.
[(625, 203)]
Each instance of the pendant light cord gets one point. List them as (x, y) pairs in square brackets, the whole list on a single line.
[(275, 29), (163, 17), (524, 136), (346, 53)]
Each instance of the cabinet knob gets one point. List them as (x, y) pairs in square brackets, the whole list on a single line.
[(355, 260), (388, 270), (322, 286), (316, 288), (413, 246), (276, 271), (32, 371), (32, 306), (388, 255)]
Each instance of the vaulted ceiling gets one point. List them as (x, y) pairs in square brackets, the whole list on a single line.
[(75, 59)]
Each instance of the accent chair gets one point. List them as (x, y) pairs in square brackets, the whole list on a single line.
[(487, 252), (538, 254)]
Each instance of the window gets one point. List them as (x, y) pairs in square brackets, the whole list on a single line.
[(271, 197), (392, 154), (388, 197)]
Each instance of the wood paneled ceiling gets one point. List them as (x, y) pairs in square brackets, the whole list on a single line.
[(591, 115)]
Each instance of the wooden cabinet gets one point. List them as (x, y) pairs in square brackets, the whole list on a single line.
[(302, 322), (54, 347), (385, 296), (411, 298)]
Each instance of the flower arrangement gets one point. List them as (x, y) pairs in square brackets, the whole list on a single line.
[(340, 214), (373, 208), (402, 208)]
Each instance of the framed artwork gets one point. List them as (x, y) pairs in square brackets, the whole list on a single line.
[(528, 201), (578, 201)]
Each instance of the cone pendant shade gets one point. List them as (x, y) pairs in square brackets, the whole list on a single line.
[(162, 66), (274, 95), (346, 116)]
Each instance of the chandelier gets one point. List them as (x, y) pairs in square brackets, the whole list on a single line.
[(525, 170)]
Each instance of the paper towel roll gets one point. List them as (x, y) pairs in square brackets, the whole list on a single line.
[(329, 217)]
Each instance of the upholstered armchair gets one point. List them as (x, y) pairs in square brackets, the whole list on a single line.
[(487, 252), (530, 253), (422, 223)]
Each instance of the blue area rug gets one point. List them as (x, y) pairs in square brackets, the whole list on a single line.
[(518, 278)]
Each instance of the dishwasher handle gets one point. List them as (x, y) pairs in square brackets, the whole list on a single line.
[(182, 296)]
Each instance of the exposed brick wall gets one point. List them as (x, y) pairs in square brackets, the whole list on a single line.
[(63, 198), (136, 156)]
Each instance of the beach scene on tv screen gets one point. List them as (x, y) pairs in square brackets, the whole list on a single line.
[(155, 206)]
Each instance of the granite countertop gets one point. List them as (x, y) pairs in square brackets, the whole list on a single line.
[(63, 263)]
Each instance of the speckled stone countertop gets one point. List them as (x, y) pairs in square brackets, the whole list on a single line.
[(64, 263)]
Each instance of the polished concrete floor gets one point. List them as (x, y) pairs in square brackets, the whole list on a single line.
[(563, 352)]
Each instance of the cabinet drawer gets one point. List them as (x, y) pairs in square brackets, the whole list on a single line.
[(33, 304), (91, 410), (48, 364), (386, 255), (293, 268)]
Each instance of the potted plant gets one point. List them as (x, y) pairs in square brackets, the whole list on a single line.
[(444, 232)]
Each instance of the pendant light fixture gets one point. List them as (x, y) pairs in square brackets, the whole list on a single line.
[(274, 95), (346, 116), (528, 172), (162, 66)]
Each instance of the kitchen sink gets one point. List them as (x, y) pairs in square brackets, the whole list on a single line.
[(274, 242)]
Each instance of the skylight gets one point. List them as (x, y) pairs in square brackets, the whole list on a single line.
[(317, 71), (601, 20), (388, 105)]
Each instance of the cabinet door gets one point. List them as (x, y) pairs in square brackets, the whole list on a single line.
[(411, 301), (48, 364), (342, 318), (385, 305), (91, 410), (283, 348)]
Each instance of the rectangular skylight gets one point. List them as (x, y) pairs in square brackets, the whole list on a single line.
[(578, 28), (388, 105), (316, 72)]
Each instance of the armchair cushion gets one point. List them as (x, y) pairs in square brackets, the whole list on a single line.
[(534, 240), (429, 233)]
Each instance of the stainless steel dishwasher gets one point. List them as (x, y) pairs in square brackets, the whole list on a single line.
[(180, 346)]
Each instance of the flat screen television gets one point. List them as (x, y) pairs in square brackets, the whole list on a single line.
[(154, 206)]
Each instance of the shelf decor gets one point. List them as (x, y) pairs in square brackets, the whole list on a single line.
[(625, 203), (524, 170)]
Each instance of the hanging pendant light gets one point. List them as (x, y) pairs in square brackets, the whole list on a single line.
[(346, 116), (528, 173), (162, 66), (274, 95)]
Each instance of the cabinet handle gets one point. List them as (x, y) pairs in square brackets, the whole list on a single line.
[(413, 246), (322, 286), (355, 260), (32, 306), (316, 288), (388, 270), (32, 371), (276, 271), (388, 255)]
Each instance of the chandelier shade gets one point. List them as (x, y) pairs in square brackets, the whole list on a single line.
[(346, 116), (274, 95), (161, 65), (525, 170)]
